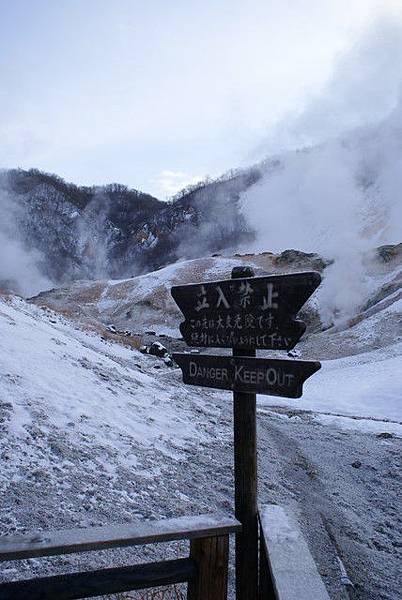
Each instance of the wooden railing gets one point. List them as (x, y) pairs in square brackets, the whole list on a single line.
[(287, 569), (205, 570)]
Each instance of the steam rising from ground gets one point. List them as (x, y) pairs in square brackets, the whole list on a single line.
[(343, 197), (94, 235), (19, 266)]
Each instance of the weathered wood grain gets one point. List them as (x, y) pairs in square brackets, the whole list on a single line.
[(245, 468), (293, 570), (211, 556), (130, 534), (97, 583)]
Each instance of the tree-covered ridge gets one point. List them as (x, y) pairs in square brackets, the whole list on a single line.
[(91, 232)]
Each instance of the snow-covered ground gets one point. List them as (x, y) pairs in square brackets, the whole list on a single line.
[(366, 382), (366, 385), (94, 432), (74, 381)]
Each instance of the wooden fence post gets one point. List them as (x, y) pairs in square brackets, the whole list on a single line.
[(211, 556), (245, 471)]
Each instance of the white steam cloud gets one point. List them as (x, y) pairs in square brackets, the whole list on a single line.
[(341, 197), (19, 270)]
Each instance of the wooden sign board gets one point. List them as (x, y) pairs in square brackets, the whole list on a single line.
[(245, 313), (244, 374)]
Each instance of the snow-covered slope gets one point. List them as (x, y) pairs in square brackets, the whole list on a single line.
[(76, 386), (363, 351), (136, 399), (367, 385), (94, 433), (89, 427)]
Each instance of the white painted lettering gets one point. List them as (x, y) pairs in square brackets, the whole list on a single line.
[(221, 298), (268, 300), (193, 369), (271, 376), (238, 371), (202, 302)]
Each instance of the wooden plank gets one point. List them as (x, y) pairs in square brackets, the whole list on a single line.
[(130, 534), (248, 312), (104, 581), (273, 377), (211, 556), (293, 570)]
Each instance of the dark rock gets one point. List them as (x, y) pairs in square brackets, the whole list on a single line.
[(157, 349), (242, 271), (388, 252), (300, 259), (356, 464)]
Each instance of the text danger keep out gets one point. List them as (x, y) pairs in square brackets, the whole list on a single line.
[(242, 374)]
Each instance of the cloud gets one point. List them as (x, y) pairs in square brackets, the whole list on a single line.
[(364, 87), (193, 80), (169, 182)]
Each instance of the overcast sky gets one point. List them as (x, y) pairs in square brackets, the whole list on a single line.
[(155, 94)]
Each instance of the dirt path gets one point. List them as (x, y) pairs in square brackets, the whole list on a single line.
[(345, 488)]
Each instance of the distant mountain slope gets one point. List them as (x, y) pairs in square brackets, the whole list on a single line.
[(113, 231)]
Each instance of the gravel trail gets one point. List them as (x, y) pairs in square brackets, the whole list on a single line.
[(343, 486)]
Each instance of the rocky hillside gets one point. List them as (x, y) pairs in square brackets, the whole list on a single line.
[(144, 303), (113, 231)]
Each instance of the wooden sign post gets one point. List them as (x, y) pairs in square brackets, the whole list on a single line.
[(244, 374), (246, 313), (245, 480)]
